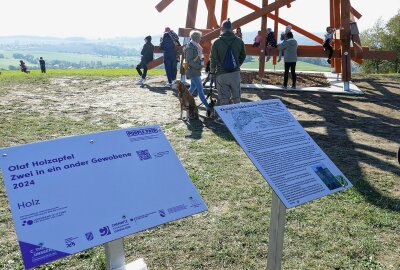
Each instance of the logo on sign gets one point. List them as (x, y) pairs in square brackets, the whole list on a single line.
[(162, 212), (140, 132), (105, 231), (70, 242), (27, 222), (89, 236)]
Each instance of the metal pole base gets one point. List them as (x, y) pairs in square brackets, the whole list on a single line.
[(115, 257), (346, 86), (115, 254)]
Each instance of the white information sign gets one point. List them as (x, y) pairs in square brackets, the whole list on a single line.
[(73, 193), (292, 163)]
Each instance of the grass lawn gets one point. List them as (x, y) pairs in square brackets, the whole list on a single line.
[(358, 228), (70, 57)]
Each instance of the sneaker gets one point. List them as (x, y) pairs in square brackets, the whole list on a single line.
[(293, 87), (329, 61), (284, 87), (140, 81), (279, 59), (143, 80), (168, 85), (269, 57)]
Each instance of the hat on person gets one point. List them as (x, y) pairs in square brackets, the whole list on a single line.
[(288, 28), (227, 25), (269, 30), (167, 29), (148, 38)]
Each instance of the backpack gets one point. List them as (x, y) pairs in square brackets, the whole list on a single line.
[(230, 62)]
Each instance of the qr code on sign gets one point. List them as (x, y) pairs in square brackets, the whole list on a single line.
[(143, 154)]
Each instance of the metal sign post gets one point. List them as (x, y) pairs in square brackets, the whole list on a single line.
[(115, 257), (276, 233), (115, 254)]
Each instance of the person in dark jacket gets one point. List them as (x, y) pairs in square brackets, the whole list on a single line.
[(147, 56), (42, 64), (168, 47), (228, 81), (271, 43)]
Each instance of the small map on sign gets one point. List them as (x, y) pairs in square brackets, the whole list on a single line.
[(243, 118)]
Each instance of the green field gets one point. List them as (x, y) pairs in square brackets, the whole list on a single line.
[(70, 57), (358, 228), (11, 75), (300, 66)]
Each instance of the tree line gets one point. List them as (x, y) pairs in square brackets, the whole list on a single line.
[(383, 37)]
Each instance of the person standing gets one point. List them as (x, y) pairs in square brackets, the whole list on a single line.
[(168, 47), (227, 47), (147, 56), (175, 38), (194, 59), (42, 64), (289, 47)]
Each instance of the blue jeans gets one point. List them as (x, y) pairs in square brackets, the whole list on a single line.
[(195, 83), (169, 69)]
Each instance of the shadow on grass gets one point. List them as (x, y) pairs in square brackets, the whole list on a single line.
[(340, 118)]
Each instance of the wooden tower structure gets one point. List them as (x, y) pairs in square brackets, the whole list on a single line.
[(347, 43)]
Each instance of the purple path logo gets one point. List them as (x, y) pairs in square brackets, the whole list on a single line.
[(105, 231)]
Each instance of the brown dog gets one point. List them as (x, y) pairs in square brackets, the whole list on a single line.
[(187, 101)]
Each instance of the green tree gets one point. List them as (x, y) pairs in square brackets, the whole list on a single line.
[(391, 40), (382, 37), (373, 39)]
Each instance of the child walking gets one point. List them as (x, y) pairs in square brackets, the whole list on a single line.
[(328, 42)]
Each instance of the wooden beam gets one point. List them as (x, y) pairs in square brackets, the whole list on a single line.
[(211, 23), (302, 51), (336, 43), (156, 62), (224, 10), (275, 33), (355, 13), (345, 39), (261, 50), (250, 17), (191, 14), (283, 22), (307, 51), (163, 4), (211, 19), (380, 55), (185, 32)]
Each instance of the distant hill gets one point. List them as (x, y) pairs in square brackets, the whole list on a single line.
[(80, 52)]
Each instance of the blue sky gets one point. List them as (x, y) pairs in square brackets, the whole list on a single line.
[(94, 18)]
